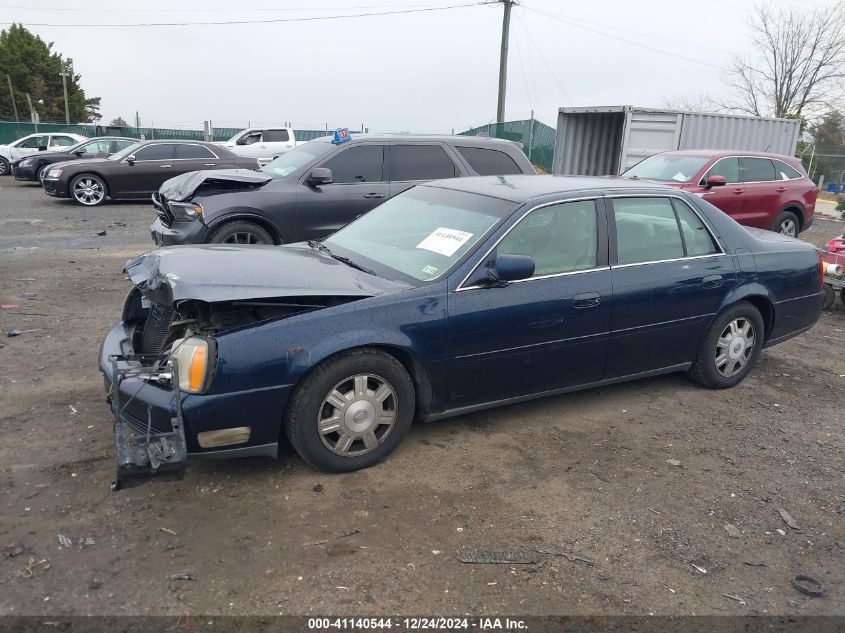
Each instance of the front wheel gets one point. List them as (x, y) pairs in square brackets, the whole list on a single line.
[(351, 411), (731, 347), (88, 190), (5, 168), (786, 224), (40, 173), (241, 232)]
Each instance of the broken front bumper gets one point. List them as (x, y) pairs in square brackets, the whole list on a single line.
[(149, 429)]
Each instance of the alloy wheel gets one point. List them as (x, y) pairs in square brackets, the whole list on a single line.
[(41, 174), (88, 191), (4, 167), (243, 237), (788, 227), (357, 415), (735, 347)]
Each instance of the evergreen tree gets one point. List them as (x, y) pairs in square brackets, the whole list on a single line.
[(35, 69)]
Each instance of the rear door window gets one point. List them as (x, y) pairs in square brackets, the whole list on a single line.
[(489, 162), (420, 162), (757, 170), (646, 230), (364, 163), (276, 136), (697, 239), (62, 141), (160, 151), (194, 151), (727, 167)]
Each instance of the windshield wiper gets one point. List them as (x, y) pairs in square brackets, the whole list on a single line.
[(319, 246)]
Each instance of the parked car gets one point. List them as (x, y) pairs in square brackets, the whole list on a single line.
[(452, 297), (34, 143), (263, 143), (318, 187), (767, 191), (34, 166), (136, 171)]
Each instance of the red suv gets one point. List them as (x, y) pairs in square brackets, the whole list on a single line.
[(768, 191)]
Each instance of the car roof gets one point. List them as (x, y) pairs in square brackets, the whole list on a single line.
[(177, 141), (722, 153), (524, 187), (451, 139), (111, 138)]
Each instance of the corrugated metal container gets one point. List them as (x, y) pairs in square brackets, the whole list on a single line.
[(604, 141)]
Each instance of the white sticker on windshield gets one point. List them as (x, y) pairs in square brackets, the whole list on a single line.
[(445, 241), (680, 177)]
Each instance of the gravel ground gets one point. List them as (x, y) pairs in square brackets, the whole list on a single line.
[(584, 474)]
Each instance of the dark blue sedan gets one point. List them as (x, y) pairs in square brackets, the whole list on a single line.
[(452, 297)]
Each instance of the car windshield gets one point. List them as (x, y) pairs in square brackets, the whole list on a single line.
[(290, 161), (676, 167), (126, 151), (420, 234)]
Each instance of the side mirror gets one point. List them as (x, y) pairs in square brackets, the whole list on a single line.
[(79, 152), (241, 140), (130, 159), (513, 267), (319, 176), (716, 181), (42, 148)]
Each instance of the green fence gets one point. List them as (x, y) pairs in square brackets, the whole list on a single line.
[(538, 139), (11, 131)]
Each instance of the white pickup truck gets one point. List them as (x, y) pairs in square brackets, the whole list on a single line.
[(263, 143)]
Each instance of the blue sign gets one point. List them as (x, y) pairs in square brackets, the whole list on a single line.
[(341, 135)]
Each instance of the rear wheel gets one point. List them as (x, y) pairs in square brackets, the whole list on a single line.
[(241, 232), (786, 224), (830, 297), (88, 190), (731, 347), (5, 168), (351, 411)]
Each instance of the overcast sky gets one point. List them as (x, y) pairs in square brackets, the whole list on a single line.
[(424, 72)]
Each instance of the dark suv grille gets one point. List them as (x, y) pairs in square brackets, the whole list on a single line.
[(162, 209)]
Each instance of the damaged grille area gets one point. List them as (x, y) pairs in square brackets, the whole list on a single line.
[(156, 328), (162, 209)]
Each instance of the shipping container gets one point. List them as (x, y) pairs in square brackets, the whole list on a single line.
[(602, 141)]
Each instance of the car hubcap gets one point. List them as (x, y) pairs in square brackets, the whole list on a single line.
[(787, 227), (3, 168), (243, 237), (41, 173), (88, 191), (735, 347), (357, 415)]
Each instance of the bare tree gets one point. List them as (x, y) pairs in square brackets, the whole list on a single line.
[(692, 103), (799, 64)]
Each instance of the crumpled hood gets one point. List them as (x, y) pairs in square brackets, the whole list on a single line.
[(184, 186), (228, 273)]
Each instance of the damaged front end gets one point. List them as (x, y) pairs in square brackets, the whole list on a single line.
[(161, 360)]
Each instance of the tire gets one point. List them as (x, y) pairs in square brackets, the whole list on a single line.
[(739, 357), (829, 297), (40, 173), (842, 296), (5, 167), (349, 441), (88, 190), (787, 224), (241, 232)]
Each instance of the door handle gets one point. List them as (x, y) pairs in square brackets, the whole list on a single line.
[(781, 189), (210, 164), (164, 166), (586, 300), (374, 195), (739, 191), (712, 281)]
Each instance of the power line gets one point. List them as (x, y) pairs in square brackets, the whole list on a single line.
[(215, 10), (267, 21), (622, 39), (543, 57)]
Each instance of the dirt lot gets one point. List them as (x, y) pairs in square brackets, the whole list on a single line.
[(584, 473)]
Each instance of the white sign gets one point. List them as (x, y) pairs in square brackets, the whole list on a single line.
[(445, 241)]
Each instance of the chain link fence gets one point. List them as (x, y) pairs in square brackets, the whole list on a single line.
[(537, 139)]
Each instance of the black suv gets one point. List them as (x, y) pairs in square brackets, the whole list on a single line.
[(313, 190)]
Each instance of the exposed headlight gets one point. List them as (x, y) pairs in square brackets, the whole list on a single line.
[(54, 173), (26, 162), (185, 210), (195, 362)]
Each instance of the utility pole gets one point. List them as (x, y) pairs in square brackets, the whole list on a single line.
[(66, 66), (503, 60), (32, 113), (12, 95)]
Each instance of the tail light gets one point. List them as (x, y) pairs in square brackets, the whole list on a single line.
[(821, 269)]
